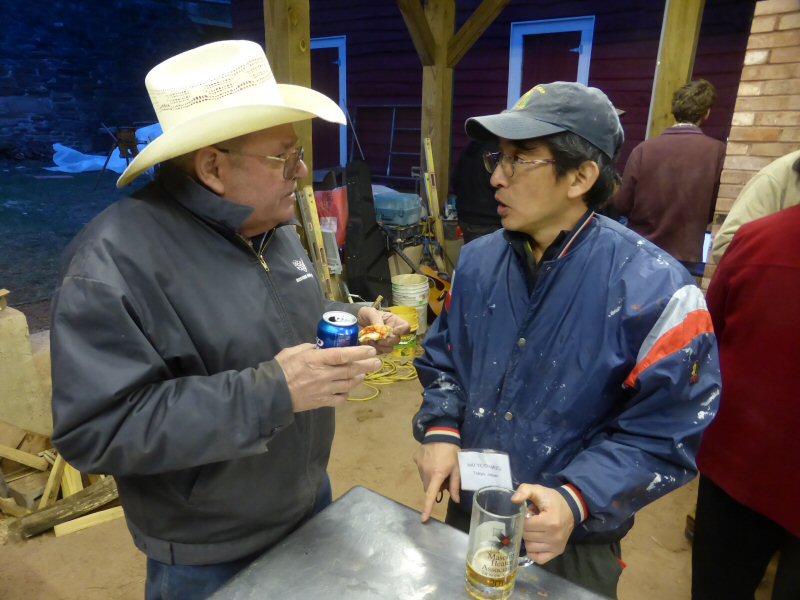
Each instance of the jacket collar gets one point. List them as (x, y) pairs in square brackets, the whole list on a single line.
[(560, 246), (200, 201), (681, 129), (565, 240)]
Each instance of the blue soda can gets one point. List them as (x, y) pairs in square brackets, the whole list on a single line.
[(337, 329)]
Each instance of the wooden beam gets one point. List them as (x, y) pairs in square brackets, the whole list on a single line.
[(474, 27), (437, 91), (103, 516), (288, 31), (93, 497), (421, 34), (24, 458), (679, 34)]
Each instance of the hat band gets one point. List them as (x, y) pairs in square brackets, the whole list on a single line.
[(251, 78)]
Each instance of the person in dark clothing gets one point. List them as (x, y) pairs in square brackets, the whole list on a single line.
[(475, 202), (669, 187), (183, 329)]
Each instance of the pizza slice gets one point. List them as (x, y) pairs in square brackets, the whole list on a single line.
[(374, 333)]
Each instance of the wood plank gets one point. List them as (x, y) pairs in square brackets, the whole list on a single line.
[(288, 42), (307, 206), (431, 186), (11, 508), (71, 481), (53, 484), (84, 502), (24, 458), (676, 54), (103, 516), (478, 22), (421, 34)]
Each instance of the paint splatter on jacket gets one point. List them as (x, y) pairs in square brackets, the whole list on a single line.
[(598, 379)]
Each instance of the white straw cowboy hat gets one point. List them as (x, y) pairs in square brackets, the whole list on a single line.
[(218, 92)]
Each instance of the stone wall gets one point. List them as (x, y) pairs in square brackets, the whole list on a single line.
[(66, 67), (766, 119)]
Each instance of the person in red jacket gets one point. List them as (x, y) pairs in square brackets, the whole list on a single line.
[(749, 458)]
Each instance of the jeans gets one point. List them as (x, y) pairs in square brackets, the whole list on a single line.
[(197, 582)]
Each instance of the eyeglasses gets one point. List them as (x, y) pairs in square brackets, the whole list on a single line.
[(507, 162), (290, 159)]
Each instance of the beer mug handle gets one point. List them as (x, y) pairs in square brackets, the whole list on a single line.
[(524, 561)]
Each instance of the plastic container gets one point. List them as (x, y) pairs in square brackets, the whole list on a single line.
[(397, 208), (407, 313), (407, 346), (412, 290)]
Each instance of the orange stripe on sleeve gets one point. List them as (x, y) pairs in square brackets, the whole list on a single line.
[(696, 323)]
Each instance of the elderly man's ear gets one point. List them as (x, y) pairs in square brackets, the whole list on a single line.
[(208, 169)]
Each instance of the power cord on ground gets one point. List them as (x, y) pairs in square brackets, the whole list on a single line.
[(392, 370)]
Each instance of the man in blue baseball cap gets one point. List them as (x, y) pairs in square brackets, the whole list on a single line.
[(570, 343)]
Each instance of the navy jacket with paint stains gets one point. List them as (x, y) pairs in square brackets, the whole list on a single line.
[(597, 376)]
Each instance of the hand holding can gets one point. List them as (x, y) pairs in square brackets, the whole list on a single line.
[(323, 377)]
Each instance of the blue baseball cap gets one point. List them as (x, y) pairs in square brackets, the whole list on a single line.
[(550, 108)]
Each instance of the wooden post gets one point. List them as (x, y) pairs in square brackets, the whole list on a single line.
[(439, 50), (679, 34), (473, 28), (437, 91), (287, 25)]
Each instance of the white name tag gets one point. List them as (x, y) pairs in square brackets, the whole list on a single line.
[(481, 468)]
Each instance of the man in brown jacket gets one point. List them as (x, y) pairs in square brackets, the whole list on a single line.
[(670, 183)]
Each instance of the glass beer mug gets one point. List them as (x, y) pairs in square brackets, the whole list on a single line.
[(495, 534)]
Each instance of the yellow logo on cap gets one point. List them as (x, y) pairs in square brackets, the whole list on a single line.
[(527, 97)]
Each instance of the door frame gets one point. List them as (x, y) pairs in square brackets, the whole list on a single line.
[(519, 29), (339, 42)]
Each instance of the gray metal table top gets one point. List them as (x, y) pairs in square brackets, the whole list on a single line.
[(366, 547)]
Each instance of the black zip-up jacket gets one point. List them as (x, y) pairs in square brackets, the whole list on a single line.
[(164, 332)]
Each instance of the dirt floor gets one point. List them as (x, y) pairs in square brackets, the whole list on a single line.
[(373, 448), (40, 212)]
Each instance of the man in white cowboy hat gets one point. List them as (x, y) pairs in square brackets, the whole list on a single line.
[(568, 342), (183, 330)]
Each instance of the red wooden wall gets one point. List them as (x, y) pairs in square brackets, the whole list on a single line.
[(383, 68)]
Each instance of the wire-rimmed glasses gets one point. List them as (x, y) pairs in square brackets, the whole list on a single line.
[(507, 162), (290, 159)]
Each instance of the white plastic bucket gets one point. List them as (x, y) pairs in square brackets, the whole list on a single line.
[(412, 290)]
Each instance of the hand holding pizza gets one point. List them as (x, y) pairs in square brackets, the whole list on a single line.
[(380, 328)]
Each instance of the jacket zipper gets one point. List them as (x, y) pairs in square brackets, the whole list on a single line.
[(309, 421), (250, 247)]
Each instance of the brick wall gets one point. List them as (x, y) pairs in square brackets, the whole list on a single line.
[(766, 118)]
